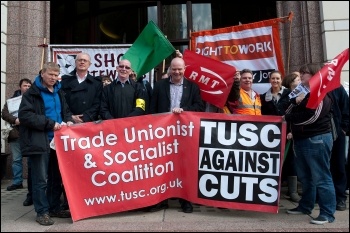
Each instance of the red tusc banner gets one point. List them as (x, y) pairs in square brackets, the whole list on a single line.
[(213, 159)]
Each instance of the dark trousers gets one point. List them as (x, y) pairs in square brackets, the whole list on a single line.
[(29, 179), (288, 168), (337, 163)]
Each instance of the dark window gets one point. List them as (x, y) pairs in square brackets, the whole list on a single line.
[(120, 22)]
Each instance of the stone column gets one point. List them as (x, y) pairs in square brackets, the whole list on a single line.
[(301, 40), (28, 23)]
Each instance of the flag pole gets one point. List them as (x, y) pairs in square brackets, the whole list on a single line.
[(163, 69), (290, 17), (189, 46), (43, 52)]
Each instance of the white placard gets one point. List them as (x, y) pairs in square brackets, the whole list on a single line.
[(13, 105)]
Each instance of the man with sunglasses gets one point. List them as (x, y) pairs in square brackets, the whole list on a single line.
[(123, 97)]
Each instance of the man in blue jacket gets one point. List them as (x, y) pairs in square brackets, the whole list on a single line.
[(42, 110)]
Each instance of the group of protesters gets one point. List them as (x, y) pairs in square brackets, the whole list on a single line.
[(318, 158), (79, 97)]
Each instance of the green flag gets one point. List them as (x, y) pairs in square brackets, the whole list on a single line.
[(148, 50)]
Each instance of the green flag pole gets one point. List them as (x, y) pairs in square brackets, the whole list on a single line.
[(286, 149)]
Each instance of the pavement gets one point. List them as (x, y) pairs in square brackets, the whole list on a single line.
[(18, 218)]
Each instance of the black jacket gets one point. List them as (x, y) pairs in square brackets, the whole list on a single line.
[(83, 98), (191, 99), (306, 122), (119, 101), (6, 116), (147, 88), (272, 107), (340, 109), (34, 124)]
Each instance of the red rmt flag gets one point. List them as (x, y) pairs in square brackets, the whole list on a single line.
[(327, 79), (213, 77)]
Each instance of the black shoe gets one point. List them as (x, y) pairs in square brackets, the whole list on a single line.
[(60, 214), (28, 201), (160, 206), (186, 207), (341, 205), (44, 220), (65, 206), (14, 187)]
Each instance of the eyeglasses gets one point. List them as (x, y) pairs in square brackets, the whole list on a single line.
[(304, 72), (126, 67), (83, 60)]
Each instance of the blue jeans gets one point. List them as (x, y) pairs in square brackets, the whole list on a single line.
[(46, 183), (17, 166), (312, 158)]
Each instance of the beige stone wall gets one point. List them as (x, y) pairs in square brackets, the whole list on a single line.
[(318, 32), (3, 60), (26, 24), (335, 31)]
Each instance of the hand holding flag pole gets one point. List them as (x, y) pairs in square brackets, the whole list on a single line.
[(163, 68), (327, 79)]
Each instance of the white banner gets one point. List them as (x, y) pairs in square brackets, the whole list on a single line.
[(104, 58), (254, 46)]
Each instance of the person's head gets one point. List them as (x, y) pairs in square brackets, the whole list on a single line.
[(246, 79), (275, 79), (307, 71), (133, 75), (177, 69), (124, 69), (24, 84), (49, 74), (82, 62), (106, 80), (291, 80), (296, 73)]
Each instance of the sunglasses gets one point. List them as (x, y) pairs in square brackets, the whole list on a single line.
[(126, 67), (304, 72)]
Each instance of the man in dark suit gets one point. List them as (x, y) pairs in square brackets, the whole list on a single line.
[(83, 95), (83, 91), (175, 94)]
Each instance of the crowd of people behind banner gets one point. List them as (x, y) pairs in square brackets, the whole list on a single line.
[(316, 158)]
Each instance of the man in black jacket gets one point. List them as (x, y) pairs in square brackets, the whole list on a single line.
[(13, 140), (83, 95), (176, 94), (83, 91), (338, 159), (123, 97)]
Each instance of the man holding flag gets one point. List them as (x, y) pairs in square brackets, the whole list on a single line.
[(313, 142), (314, 131)]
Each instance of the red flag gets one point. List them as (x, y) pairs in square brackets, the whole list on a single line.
[(327, 79), (213, 77)]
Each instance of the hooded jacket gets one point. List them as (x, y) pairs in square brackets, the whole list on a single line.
[(35, 125)]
